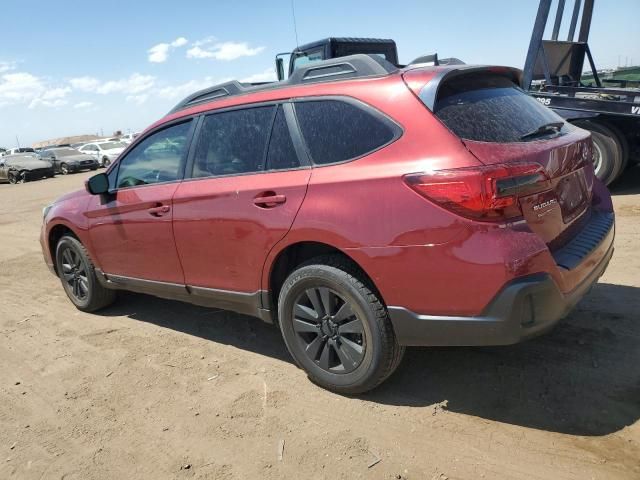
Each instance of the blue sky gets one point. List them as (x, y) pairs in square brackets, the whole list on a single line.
[(75, 67)]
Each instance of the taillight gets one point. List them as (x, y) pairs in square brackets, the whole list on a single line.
[(488, 193)]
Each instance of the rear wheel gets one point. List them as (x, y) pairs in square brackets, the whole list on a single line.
[(106, 162), (608, 150), (336, 328), (78, 277)]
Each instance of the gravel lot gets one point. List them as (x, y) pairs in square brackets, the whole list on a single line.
[(157, 389)]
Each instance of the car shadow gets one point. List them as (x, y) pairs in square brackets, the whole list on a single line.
[(628, 183), (581, 379)]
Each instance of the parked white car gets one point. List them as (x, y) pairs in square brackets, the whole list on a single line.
[(129, 137), (104, 152), (15, 151)]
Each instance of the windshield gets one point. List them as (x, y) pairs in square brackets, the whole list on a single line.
[(110, 145), (65, 152), (490, 108)]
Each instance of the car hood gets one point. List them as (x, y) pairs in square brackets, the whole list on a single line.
[(28, 163), (76, 158)]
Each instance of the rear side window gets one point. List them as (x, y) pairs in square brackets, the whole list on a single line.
[(336, 131), (282, 154), (232, 143), (490, 108)]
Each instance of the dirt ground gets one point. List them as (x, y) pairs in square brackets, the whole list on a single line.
[(157, 389)]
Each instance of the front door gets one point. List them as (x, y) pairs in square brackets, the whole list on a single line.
[(131, 229), (246, 188)]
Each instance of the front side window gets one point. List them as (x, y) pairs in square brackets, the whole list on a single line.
[(336, 130), (233, 143), (156, 159)]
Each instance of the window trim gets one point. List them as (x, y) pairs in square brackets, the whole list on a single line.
[(304, 161), (181, 169), (396, 128)]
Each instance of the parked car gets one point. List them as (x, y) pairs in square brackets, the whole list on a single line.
[(128, 138), (104, 152), (397, 207), (22, 167), (15, 151), (69, 160)]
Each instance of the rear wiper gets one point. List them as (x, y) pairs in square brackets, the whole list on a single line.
[(552, 127)]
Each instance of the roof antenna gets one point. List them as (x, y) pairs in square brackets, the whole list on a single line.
[(295, 28)]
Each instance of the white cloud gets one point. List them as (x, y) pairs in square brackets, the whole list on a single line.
[(53, 97), (132, 85), (222, 51), (86, 84), (179, 42), (268, 75), (82, 105), (20, 87), (160, 53), (7, 66)]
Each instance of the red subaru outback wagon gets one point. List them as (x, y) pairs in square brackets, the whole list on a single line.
[(360, 207)]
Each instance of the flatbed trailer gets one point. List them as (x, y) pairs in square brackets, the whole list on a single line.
[(552, 74)]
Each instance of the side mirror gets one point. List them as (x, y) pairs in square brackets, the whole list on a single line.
[(280, 68), (98, 184)]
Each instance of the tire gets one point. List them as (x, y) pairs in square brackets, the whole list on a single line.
[(93, 168), (340, 333), (78, 277), (64, 169), (609, 154), (106, 162), (13, 177)]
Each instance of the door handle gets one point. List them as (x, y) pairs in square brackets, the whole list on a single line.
[(159, 211), (268, 201)]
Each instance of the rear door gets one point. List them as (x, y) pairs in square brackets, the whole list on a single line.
[(248, 183), (501, 124)]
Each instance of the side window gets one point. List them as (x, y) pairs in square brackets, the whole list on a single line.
[(234, 142), (335, 131), (156, 159), (282, 155)]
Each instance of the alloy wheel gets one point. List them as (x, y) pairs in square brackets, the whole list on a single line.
[(74, 273), (330, 332)]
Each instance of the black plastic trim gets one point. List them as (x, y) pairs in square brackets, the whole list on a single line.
[(239, 302), (342, 68), (580, 246)]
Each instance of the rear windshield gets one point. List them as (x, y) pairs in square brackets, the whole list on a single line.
[(490, 108)]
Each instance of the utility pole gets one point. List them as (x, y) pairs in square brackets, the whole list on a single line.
[(17, 141)]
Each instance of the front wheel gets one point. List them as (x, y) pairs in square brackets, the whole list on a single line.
[(16, 177), (106, 162), (64, 169), (336, 328), (78, 276)]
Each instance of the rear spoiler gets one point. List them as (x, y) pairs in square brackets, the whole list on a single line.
[(429, 92)]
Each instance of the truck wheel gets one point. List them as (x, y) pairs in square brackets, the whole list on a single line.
[(78, 276), (608, 151), (336, 328)]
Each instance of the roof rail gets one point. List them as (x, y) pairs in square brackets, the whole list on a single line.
[(341, 68)]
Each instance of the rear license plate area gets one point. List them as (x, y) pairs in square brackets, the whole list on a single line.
[(572, 194)]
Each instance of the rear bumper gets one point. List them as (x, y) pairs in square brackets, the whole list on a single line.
[(524, 308)]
